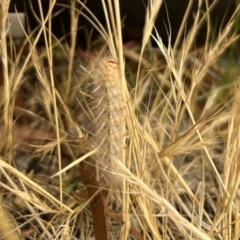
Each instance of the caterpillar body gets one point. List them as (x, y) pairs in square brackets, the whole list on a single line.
[(107, 109)]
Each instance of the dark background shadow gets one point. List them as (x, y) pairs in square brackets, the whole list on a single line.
[(133, 12)]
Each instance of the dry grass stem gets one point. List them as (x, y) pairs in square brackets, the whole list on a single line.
[(122, 142)]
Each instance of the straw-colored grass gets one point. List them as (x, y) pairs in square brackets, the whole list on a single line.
[(178, 159)]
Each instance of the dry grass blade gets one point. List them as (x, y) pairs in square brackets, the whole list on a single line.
[(126, 143), (8, 107), (28, 181), (178, 75), (7, 229), (151, 14)]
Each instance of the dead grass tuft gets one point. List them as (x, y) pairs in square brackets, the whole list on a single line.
[(180, 164)]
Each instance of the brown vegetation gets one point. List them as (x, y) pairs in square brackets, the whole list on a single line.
[(179, 166)]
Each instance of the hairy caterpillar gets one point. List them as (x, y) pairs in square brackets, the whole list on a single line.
[(107, 113)]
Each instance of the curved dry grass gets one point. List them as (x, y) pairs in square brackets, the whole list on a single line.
[(180, 169)]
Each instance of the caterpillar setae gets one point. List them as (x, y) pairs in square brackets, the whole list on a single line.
[(107, 110)]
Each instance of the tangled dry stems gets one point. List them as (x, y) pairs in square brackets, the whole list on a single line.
[(181, 170)]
